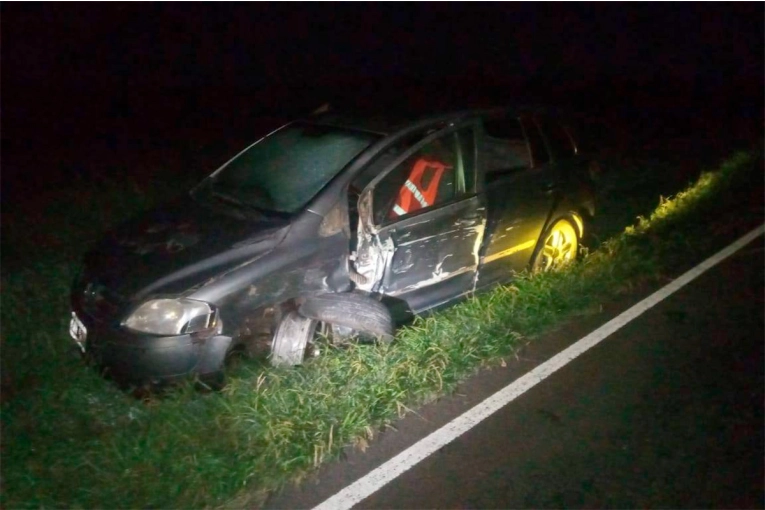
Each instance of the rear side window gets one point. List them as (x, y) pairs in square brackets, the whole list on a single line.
[(561, 143), (504, 145), (539, 151)]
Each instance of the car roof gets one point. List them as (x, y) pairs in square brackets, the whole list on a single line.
[(383, 119)]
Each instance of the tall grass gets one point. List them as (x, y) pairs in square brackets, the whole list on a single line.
[(71, 439)]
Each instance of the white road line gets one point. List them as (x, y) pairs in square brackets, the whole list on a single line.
[(379, 477)]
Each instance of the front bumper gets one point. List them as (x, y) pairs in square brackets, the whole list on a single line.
[(135, 358)]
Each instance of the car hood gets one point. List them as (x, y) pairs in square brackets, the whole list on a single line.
[(178, 246)]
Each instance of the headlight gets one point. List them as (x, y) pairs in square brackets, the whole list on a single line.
[(172, 317)]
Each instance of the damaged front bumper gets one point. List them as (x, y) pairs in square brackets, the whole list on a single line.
[(134, 358)]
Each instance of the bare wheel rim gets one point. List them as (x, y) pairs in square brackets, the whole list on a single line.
[(560, 247), (291, 339)]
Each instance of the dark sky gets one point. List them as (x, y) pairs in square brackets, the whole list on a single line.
[(111, 71), (261, 44)]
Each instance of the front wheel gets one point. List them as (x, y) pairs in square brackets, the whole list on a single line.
[(340, 317), (558, 248), (291, 339)]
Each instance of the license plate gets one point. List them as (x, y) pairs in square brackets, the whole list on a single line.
[(78, 331)]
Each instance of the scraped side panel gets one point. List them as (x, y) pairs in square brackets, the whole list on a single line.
[(428, 258)]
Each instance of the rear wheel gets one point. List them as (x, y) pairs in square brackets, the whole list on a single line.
[(559, 247)]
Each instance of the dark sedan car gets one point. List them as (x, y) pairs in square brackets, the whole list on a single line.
[(332, 225)]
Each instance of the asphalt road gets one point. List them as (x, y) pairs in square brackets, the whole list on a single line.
[(665, 413)]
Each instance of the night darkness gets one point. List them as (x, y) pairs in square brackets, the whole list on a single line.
[(144, 87)]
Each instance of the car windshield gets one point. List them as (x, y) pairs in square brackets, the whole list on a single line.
[(282, 172)]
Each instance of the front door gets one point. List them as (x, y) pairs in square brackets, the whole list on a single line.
[(422, 223)]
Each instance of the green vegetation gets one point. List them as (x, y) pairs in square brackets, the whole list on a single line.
[(70, 439)]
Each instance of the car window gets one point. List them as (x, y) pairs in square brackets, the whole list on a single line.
[(285, 170), (560, 142), (433, 174), (539, 151), (385, 159), (504, 145), (468, 155)]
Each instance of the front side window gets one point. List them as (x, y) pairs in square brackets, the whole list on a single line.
[(284, 171), (436, 173)]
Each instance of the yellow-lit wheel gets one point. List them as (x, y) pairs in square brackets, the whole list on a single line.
[(558, 247)]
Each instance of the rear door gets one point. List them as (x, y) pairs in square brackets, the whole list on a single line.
[(420, 232), (576, 172), (521, 188)]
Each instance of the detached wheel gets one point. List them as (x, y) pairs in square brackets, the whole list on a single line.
[(559, 247)]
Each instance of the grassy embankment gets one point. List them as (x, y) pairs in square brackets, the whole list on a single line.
[(72, 440)]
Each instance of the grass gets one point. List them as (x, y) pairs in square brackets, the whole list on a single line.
[(72, 440)]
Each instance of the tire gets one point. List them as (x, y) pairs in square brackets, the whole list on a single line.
[(351, 310), (558, 247), (291, 339), (342, 315)]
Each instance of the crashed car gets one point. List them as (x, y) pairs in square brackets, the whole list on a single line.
[(335, 226)]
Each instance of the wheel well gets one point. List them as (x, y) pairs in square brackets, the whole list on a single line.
[(257, 328), (579, 221)]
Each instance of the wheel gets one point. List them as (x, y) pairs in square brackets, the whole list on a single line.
[(339, 317), (291, 339), (352, 310), (559, 246)]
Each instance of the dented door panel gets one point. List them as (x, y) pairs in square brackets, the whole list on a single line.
[(429, 257)]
